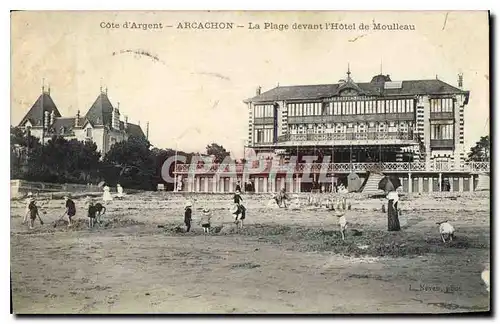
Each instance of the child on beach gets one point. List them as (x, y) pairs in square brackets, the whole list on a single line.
[(205, 220), (91, 214), (188, 216), (29, 199), (70, 209), (33, 209)]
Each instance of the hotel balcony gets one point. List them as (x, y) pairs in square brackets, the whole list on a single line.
[(342, 139), (267, 166)]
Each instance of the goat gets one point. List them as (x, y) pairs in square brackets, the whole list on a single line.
[(446, 229)]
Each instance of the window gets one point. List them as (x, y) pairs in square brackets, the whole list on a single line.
[(264, 111), (260, 135), (409, 105), (381, 107), (319, 108), (89, 132), (442, 131), (264, 134), (337, 108), (441, 105)]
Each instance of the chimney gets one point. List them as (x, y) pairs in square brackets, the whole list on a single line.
[(461, 80), (52, 115), (113, 118), (46, 119), (125, 122), (258, 91), (77, 119), (147, 130)]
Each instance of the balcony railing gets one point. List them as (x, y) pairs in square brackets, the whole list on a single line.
[(266, 167), (445, 143), (348, 136)]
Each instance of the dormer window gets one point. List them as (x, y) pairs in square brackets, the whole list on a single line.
[(89, 133), (62, 130)]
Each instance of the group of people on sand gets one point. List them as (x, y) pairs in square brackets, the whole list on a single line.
[(95, 210), (205, 219), (237, 210)]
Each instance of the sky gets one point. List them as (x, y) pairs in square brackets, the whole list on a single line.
[(191, 89)]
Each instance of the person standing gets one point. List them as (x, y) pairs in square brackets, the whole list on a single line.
[(238, 186), (27, 211), (33, 208), (106, 196), (119, 190), (188, 216), (91, 213), (205, 220), (70, 209), (238, 202), (392, 211)]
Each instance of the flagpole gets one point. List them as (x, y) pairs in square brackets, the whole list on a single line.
[(175, 167)]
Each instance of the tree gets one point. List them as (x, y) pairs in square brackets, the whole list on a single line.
[(131, 163), (160, 156), (218, 151), (21, 144), (481, 151), (60, 160)]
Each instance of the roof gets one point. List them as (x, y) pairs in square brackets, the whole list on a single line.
[(100, 112), (321, 91), (68, 123), (134, 130), (36, 113)]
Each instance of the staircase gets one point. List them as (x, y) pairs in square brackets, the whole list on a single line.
[(483, 182), (371, 185)]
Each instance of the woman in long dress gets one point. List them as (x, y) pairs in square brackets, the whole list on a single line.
[(119, 190), (392, 211), (106, 196)]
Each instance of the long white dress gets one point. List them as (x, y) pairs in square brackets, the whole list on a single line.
[(106, 196), (119, 190)]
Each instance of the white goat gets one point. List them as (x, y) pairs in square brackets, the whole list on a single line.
[(446, 229)]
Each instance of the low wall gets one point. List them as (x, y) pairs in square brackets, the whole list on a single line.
[(19, 188)]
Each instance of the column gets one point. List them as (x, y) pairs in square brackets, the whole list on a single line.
[(300, 183), (231, 184), (290, 184), (461, 184), (206, 185), (451, 182), (266, 183), (440, 179), (471, 183), (257, 189), (410, 183), (420, 184), (273, 184), (431, 180), (198, 184), (214, 183)]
